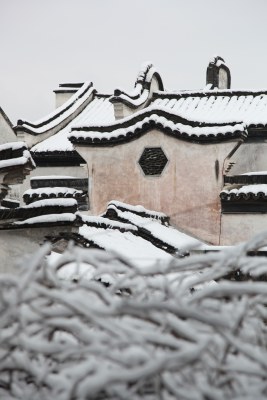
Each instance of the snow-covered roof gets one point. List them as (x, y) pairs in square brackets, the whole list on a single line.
[(39, 208), (99, 110), (15, 163), (53, 192), (154, 227), (15, 154), (217, 106), (140, 251), (60, 114), (200, 116), (171, 123)]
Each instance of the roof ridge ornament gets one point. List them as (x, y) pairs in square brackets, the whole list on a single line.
[(218, 74), (148, 81)]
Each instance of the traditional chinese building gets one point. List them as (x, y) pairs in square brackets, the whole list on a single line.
[(197, 156)]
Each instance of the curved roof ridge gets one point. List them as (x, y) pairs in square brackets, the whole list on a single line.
[(208, 92), (60, 114), (155, 118), (142, 88), (149, 111)]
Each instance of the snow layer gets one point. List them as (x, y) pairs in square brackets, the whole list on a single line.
[(98, 110), (50, 218), (248, 108), (61, 113), (255, 189), (88, 219), (140, 251), (166, 122), (13, 162), (12, 146), (137, 209), (166, 234), (52, 202), (255, 173)]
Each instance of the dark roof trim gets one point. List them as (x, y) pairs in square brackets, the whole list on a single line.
[(10, 152), (145, 214), (207, 93), (142, 232), (135, 132), (245, 179), (27, 212), (57, 158), (7, 119), (243, 206), (56, 115), (75, 183), (236, 197)]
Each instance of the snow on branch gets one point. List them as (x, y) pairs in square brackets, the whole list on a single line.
[(177, 330)]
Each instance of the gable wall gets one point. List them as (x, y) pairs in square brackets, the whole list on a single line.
[(187, 191), (6, 132)]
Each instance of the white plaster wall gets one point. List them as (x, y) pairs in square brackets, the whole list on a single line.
[(188, 189), (62, 97), (16, 243), (237, 228), (222, 79), (6, 132), (250, 157)]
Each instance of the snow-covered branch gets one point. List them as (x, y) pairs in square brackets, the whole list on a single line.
[(93, 325)]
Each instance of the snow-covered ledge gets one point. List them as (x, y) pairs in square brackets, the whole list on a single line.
[(148, 81)]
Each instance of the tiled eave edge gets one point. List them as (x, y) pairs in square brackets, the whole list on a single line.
[(142, 232), (54, 158), (163, 218), (33, 133), (226, 196), (30, 127), (135, 126), (28, 199), (240, 202), (47, 224), (23, 213), (107, 223), (207, 93), (142, 91)]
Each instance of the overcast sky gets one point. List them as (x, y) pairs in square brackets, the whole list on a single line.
[(47, 42)]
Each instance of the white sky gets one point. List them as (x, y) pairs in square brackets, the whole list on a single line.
[(46, 42)]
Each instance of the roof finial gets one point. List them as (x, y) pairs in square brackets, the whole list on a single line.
[(218, 74)]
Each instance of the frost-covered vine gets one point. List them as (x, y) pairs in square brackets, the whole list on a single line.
[(92, 325)]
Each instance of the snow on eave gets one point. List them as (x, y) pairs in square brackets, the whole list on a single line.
[(60, 114), (137, 209), (47, 219), (245, 192), (18, 161), (155, 230), (13, 146), (206, 92), (52, 202), (106, 223), (160, 118)]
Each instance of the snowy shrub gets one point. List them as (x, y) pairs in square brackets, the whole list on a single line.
[(176, 331)]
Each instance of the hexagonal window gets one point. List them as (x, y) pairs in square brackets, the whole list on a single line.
[(153, 161)]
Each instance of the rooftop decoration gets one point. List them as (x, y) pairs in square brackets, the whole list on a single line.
[(218, 74)]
